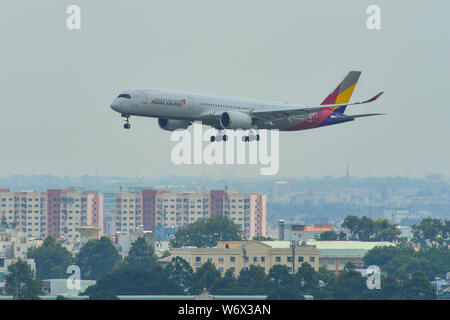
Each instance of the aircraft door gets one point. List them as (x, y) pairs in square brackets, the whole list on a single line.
[(144, 98)]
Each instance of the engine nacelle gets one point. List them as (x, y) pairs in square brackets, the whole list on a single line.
[(172, 124), (235, 120)]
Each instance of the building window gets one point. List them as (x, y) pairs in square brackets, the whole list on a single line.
[(300, 259), (232, 259), (277, 259), (263, 259), (312, 259)]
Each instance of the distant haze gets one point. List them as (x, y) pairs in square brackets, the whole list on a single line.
[(57, 84)]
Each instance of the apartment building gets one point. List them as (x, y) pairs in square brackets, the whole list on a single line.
[(77, 210), (26, 210), (128, 215), (236, 255), (163, 209), (174, 210), (245, 209)]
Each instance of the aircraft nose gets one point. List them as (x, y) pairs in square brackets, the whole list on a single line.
[(115, 105)]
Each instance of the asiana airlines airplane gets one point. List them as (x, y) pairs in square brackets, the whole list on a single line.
[(177, 110)]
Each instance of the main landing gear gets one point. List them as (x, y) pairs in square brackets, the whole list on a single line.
[(251, 137), (219, 137), (127, 124)]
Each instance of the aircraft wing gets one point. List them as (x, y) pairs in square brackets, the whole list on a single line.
[(279, 113)]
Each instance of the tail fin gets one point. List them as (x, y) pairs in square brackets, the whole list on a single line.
[(343, 92)]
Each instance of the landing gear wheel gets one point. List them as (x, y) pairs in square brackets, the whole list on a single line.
[(257, 137), (245, 139), (127, 126), (213, 138), (224, 137)]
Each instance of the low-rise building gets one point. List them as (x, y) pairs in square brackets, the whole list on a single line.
[(335, 254), (300, 231), (236, 255)]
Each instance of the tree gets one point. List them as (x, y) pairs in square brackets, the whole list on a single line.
[(366, 229), (97, 257), (307, 277), (262, 238), (431, 233), (21, 283), (206, 232), (329, 236), (126, 281), (252, 280), (419, 287), (140, 255), (226, 284), (282, 285), (349, 285), (51, 258), (181, 272), (204, 278)]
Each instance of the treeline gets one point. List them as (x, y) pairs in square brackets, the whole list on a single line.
[(406, 271), (430, 233)]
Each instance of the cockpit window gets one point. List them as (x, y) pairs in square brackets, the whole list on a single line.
[(124, 95)]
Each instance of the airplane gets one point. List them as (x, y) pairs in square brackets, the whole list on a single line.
[(177, 110)]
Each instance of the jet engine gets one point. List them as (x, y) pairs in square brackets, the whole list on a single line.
[(235, 120), (172, 124)]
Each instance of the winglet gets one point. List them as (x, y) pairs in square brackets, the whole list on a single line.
[(374, 98)]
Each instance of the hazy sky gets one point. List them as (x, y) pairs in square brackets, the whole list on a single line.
[(57, 84)]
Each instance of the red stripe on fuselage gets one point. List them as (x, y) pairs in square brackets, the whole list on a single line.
[(317, 119)]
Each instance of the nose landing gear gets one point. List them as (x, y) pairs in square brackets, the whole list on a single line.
[(127, 124)]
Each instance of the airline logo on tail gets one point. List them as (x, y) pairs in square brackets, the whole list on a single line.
[(343, 92)]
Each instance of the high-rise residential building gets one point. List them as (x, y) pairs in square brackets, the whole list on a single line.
[(54, 211), (77, 210), (26, 211), (163, 209), (149, 208), (246, 209), (174, 210), (128, 215)]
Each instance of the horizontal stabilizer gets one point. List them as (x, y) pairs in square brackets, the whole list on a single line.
[(349, 116)]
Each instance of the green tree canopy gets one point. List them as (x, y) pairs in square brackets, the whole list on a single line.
[(181, 272), (206, 232), (431, 233), (204, 278), (21, 283), (140, 256), (329, 236), (51, 258), (126, 281), (97, 257), (366, 229)]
